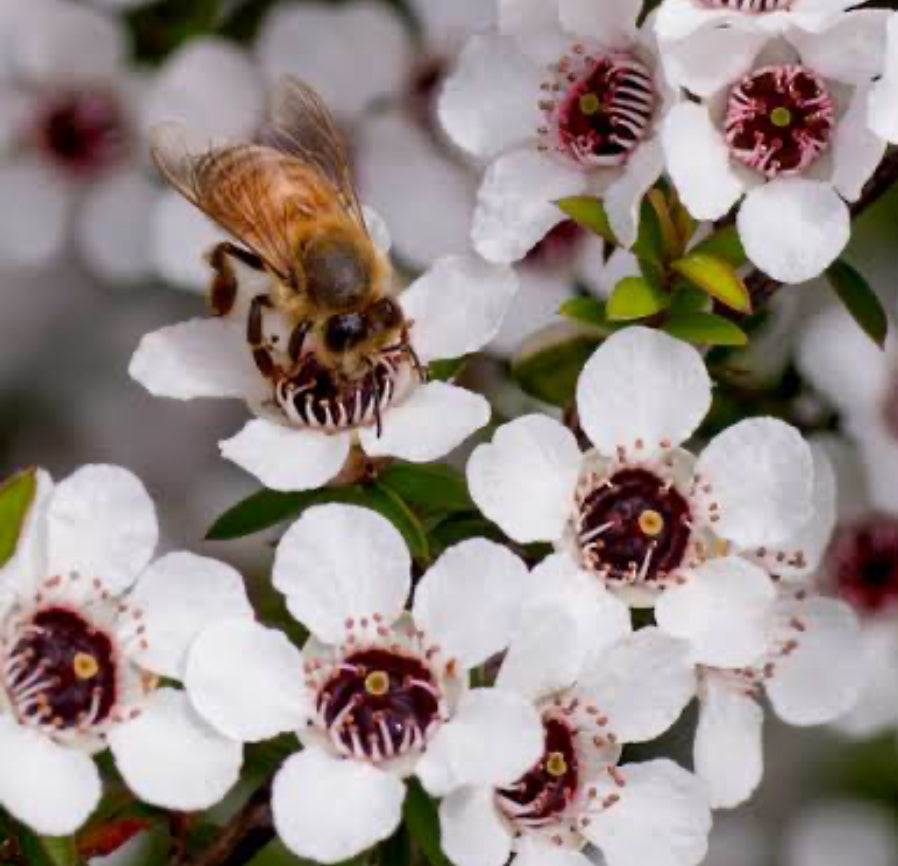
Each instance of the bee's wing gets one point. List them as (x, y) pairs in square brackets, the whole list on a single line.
[(252, 192), (301, 125)]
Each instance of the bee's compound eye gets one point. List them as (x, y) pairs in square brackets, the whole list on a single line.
[(344, 332), (383, 316), (337, 274)]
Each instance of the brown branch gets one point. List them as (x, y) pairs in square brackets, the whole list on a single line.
[(762, 288), (250, 830)]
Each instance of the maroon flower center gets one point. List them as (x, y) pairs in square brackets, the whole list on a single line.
[(424, 88), (379, 704), (633, 527), (756, 6), (779, 119), (606, 108), (542, 795), (82, 131), (863, 560), (557, 247), (61, 671)]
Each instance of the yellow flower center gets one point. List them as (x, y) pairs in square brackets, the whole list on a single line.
[(556, 765), (651, 523), (86, 666), (377, 683)]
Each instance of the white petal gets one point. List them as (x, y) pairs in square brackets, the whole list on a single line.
[(535, 26), (285, 458), (458, 306), (330, 810), (594, 19), (472, 832), (50, 788), (179, 595), (102, 523), (490, 103), (851, 49), (884, 94), (114, 226), (247, 681), (197, 358), (524, 479), (339, 562), (724, 609), (516, 203), (793, 229), (642, 386), (35, 203), (837, 832), (210, 84), (536, 851), (180, 234), (843, 363), (728, 748), (474, 575), (65, 43), (662, 817), (542, 291), (822, 678), (761, 475), (395, 159), (493, 738), (698, 162), (666, 683), (434, 420), (170, 757), (316, 43), (623, 197), (856, 149)]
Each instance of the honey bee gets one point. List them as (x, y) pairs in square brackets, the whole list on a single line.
[(289, 202)]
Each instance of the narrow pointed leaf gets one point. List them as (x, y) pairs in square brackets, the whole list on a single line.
[(16, 496), (428, 489), (860, 300), (590, 213), (705, 329), (551, 374), (717, 277), (724, 244), (423, 823), (589, 311), (635, 298)]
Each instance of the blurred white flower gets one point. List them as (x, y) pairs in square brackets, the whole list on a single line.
[(588, 126), (637, 511), (301, 440), (377, 694), (787, 129), (596, 687), (88, 625)]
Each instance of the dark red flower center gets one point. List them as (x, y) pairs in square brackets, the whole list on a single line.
[(82, 131), (779, 119), (61, 671), (542, 795), (756, 6), (606, 108), (633, 527), (379, 704), (863, 562)]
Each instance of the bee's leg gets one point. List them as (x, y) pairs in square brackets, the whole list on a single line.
[(420, 369), (297, 339), (378, 396), (255, 336), (223, 291)]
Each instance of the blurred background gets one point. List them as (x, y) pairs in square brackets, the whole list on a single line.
[(95, 252)]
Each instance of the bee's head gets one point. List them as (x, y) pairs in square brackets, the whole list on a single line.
[(338, 273), (378, 325)]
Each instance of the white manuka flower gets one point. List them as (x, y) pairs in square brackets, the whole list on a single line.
[(377, 694), (88, 625), (787, 128), (637, 510), (565, 100), (596, 687), (308, 422)]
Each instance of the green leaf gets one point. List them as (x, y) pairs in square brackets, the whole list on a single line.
[(590, 213), (860, 300), (276, 854), (705, 329), (717, 277), (650, 245), (48, 850), (16, 496), (382, 499), (551, 375), (446, 370), (688, 299), (635, 298), (428, 489), (724, 244), (589, 311), (423, 823)]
